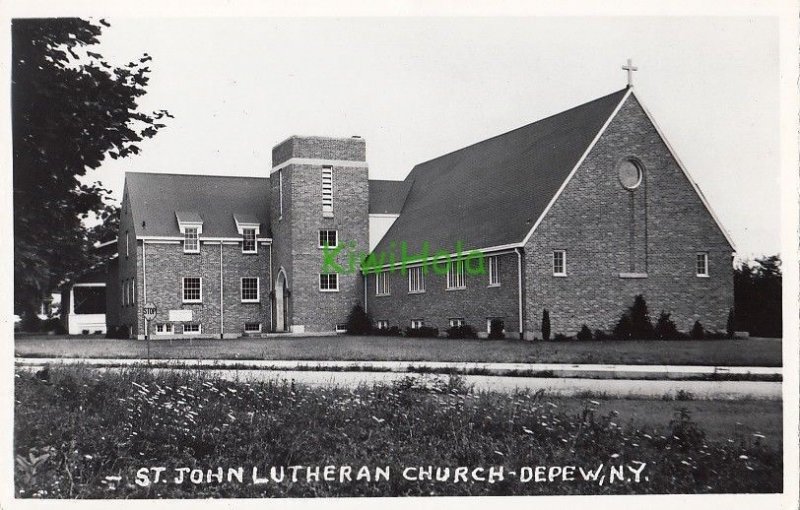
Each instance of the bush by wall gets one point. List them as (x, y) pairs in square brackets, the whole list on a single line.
[(465, 331), (358, 322), (423, 332), (545, 325), (585, 334)]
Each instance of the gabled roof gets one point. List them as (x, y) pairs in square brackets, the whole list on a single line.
[(492, 193), (387, 197), (155, 199)]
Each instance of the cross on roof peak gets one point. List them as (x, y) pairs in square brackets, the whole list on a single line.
[(630, 68)]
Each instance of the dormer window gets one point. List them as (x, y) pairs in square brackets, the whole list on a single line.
[(249, 228), (249, 240), (191, 240), (190, 225)]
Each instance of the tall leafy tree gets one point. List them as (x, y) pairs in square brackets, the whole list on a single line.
[(758, 302), (71, 109)]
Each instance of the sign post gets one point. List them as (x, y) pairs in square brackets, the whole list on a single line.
[(149, 310)]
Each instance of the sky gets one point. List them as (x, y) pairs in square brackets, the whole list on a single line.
[(417, 88)]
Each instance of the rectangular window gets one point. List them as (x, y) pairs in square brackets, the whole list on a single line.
[(191, 328), (252, 327), (382, 284), (163, 329), (702, 264), (191, 243), (341, 328), (457, 323), (127, 244), (494, 271), (327, 190), (280, 194), (456, 278), (559, 263), (249, 240), (417, 323), (416, 280), (249, 290), (192, 290), (329, 282), (133, 292), (328, 238), (382, 324)]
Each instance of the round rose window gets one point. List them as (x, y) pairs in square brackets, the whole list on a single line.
[(630, 175)]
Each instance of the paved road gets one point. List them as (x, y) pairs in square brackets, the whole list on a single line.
[(593, 371), (705, 390)]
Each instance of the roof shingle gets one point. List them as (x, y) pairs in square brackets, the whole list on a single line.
[(155, 198), (491, 193)]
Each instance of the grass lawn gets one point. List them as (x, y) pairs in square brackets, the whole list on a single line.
[(737, 352), (88, 434)]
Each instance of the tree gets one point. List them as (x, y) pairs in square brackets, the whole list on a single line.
[(757, 288), (70, 109)]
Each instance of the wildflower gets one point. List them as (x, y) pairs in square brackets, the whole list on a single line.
[(743, 457), (615, 456)]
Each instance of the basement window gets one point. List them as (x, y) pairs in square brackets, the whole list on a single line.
[(252, 327)]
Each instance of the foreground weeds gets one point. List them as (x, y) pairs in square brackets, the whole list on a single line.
[(82, 433)]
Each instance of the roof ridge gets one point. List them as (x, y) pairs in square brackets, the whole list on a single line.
[(132, 172), (522, 127)]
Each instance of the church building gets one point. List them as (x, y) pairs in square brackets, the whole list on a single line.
[(575, 214)]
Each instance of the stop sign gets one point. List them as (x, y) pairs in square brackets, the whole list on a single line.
[(149, 310)]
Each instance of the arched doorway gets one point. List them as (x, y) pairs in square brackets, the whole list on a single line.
[(280, 302)]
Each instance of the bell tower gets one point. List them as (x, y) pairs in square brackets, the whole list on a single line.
[(320, 222)]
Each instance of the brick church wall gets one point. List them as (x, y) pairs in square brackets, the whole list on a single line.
[(591, 220), (167, 265), (437, 305)]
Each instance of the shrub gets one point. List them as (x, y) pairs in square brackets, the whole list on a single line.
[(464, 331), (585, 334), (423, 332), (392, 331), (731, 324), (641, 327), (665, 327), (560, 337), (601, 335), (545, 325), (119, 332), (31, 323), (496, 328), (698, 333), (622, 330), (358, 322), (54, 325)]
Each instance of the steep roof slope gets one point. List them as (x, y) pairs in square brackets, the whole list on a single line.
[(491, 193), (387, 197), (155, 198)]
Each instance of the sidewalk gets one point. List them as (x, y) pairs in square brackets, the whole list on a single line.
[(541, 370)]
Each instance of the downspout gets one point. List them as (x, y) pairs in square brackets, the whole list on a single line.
[(366, 306), (221, 302), (271, 288), (519, 286), (144, 272)]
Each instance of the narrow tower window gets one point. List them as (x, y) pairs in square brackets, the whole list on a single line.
[(327, 191)]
